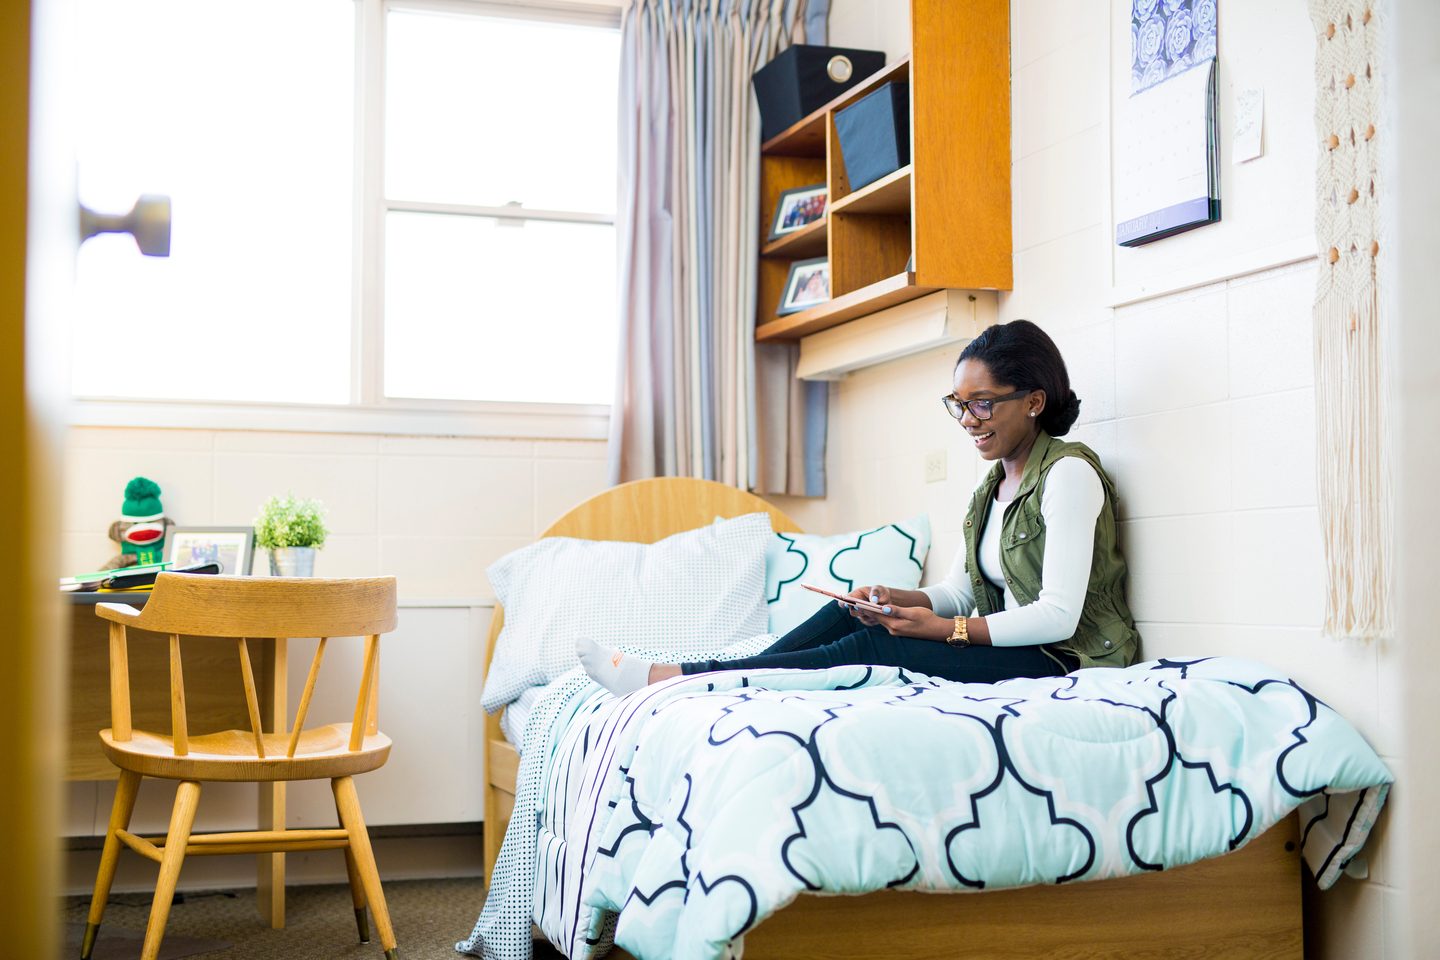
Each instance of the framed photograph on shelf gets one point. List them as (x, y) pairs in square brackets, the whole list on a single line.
[(807, 285), (798, 208), (231, 547)]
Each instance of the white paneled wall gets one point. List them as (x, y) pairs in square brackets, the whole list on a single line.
[(434, 512), (1200, 402), (870, 26)]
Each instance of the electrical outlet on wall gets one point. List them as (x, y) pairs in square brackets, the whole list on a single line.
[(935, 466)]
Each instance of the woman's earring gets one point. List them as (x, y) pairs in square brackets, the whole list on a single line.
[(1032, 413)]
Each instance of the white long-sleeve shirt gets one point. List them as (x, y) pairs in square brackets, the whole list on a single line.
[(1070, 505)]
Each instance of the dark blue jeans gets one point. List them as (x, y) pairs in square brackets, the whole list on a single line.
[(833, 638)]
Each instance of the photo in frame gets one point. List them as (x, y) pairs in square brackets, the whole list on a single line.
[(798, 208), (807, 285), (231, 547)]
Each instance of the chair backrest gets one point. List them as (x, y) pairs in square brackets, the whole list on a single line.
[(246, 608)]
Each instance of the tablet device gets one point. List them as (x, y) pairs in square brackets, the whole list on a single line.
[(848, 601)]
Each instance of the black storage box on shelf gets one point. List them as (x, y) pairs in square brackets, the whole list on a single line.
[(874, 134), (801, 80)]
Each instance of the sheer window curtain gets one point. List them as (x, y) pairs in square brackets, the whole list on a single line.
[(695, 395)]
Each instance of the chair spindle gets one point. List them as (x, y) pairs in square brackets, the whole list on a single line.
[(362, 702), (252, 701), (178, 722), (119, 684), (372, 726), (305, 698)]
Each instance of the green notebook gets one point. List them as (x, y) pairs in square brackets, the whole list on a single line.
[(83, 581)]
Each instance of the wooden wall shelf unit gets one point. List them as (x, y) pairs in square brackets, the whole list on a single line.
[(949, 208), (888, 195), (809, 241)]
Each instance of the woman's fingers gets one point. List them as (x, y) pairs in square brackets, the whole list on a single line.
[(872, 593), (901, 621), (868, 618)]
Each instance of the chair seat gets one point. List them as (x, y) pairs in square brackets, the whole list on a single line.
[(230, 755)]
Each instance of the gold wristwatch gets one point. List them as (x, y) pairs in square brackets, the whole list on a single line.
[(961, 636)]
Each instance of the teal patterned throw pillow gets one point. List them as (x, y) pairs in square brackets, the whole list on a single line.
[(893, 555)]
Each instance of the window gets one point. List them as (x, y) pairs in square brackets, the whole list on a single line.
[(384, 204), (499, 208), (244, 116)]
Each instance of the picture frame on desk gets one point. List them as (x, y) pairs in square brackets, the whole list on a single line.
[(231, 547), (807, 285), (798, 208)]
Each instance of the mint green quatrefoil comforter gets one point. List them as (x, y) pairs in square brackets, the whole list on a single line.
[(675, 819)]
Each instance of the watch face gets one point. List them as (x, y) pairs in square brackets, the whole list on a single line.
[(840, 69)]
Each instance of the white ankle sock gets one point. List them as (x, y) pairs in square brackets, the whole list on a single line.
[(619, 672)]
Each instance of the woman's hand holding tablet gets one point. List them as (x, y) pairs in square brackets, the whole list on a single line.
[(849, 601)]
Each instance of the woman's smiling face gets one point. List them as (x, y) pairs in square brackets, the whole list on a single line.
[(1012, 425)]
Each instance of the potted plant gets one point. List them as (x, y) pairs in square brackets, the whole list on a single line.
[(292, 530)]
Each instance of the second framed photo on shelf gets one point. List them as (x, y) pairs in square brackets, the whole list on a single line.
[(798, 208), (807, 285), (231, 547)]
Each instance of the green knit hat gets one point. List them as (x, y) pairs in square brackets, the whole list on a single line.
[(142, 501)]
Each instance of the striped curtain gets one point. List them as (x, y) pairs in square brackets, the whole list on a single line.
[(695, 396)]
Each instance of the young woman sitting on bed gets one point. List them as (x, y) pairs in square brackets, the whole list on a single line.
[(1039, 588)]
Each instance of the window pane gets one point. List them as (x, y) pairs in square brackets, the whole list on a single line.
[(490, 110), (480, 309), (243, 114)]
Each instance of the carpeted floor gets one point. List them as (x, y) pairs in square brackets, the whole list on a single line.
[(429, 916)]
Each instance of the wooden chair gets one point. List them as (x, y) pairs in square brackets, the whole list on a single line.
[(206, 608)]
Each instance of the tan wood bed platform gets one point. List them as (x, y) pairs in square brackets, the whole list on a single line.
[(1243, 905)]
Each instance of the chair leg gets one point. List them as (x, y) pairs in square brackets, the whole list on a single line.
[(120, 812), (348, 805), (357, 895), (182, 819)]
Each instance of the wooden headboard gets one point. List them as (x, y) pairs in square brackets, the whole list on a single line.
[(642, 511)]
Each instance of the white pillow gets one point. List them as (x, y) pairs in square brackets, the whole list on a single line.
[(892, 555), (686, 597)]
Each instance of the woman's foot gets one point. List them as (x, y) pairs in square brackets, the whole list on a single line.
[(615, 670), (664, 671)]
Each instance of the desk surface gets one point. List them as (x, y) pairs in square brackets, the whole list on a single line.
[(133, 599)]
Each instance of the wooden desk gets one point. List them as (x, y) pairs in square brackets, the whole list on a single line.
[(214, 698)]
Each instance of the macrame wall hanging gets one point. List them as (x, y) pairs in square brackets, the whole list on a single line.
[(1351, 423)]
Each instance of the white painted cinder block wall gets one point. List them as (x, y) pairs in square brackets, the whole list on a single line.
[(1200, 401)]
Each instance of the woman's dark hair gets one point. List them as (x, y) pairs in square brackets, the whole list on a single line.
[(1022, 355)]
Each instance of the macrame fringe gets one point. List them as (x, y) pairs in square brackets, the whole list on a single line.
[(1354, 477)]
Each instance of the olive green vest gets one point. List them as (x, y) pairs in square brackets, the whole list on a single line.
[(1106, 635)]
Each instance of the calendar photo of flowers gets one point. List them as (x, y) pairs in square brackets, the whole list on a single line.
[(1168, 37)]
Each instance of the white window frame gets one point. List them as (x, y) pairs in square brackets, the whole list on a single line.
[(369, 410)]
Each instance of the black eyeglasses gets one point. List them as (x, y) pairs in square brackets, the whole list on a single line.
[(979, 409)]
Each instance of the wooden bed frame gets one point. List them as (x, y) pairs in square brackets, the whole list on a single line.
[(1242, 905)]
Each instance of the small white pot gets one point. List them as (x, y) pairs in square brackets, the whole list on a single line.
[(292, 562)]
